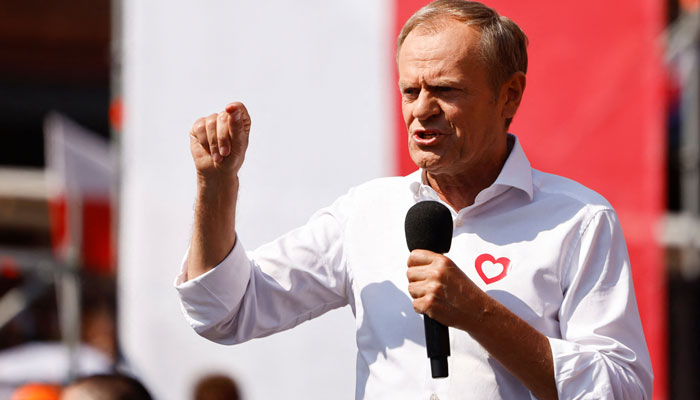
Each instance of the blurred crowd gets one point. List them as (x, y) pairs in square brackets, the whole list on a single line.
[(36, 363), (121, 387)]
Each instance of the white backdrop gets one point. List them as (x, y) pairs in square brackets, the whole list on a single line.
[(316, 78)]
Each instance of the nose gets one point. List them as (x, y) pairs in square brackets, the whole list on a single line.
[(425, 106)]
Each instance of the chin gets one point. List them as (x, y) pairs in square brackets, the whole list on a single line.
[(428, 164)]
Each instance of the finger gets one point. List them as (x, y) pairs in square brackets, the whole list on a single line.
[(199, 133), (212, 139), (417, 289), (420, 257), (222, 136), (234, 106), (239, 122), (426, 304), (419, 273)]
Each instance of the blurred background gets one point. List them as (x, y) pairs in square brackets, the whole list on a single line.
[(96, 183)]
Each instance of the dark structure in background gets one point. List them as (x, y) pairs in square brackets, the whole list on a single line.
[(56, 56), (682, 230)]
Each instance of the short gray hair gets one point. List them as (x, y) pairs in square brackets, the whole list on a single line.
[(503, 45)]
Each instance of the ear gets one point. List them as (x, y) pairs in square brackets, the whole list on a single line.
[(511, 94)]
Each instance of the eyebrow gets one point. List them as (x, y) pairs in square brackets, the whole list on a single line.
[(434, 84)]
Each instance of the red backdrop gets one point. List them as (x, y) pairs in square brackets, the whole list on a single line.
[(594, 111)]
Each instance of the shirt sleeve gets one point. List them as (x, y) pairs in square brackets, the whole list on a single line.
[(298, 276), (602, 353)]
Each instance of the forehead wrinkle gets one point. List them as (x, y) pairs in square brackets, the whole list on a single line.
[(442, 24), (425, 73), (421, 52)]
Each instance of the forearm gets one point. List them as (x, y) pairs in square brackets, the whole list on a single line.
[(520, 348), (213, 232), (442, 291)]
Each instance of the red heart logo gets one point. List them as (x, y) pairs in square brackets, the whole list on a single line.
[(491, 269)]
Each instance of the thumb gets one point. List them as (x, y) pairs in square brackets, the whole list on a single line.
[(239, 121)]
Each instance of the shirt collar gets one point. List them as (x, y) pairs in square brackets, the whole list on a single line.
[(516, 173)]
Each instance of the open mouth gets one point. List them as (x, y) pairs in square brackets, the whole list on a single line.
[(426, 134)]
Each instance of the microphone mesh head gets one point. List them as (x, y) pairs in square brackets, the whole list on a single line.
[(429, 227)]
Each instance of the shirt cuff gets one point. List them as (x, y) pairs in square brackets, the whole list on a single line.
[(215, 295), (576, 370)]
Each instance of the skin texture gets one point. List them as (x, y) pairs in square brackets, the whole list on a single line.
[(218, 144), (457, 134)]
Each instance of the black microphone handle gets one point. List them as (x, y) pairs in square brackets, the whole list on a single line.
[(437, 341), (429, 226)]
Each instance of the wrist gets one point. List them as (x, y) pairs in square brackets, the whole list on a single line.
[(217, 182)]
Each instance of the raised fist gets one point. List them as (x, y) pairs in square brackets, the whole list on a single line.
[(218, 142)]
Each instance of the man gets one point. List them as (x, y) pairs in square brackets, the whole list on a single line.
[(536, 287)]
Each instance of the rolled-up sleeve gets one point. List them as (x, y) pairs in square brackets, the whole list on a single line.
[(602, 353), (294, 278), (216, 295)]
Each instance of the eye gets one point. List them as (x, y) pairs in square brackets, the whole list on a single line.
[(410, 93), (443, 89)]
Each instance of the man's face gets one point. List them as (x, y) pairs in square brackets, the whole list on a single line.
[(455, 122)]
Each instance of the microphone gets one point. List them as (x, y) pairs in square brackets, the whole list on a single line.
[(429, 227)]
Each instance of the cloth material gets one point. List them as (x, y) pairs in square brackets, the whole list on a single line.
[(546, 247)]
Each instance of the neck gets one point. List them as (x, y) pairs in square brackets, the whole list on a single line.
[(460, 190)]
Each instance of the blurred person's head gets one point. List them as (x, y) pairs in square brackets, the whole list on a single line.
[(37, 391), (216, 387), (106, 387)]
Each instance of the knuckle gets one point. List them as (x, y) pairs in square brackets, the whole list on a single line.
[(442, 267), (417, 307), (436, 273), (429, 301), (198, 125), (413, 290), (211, 124)]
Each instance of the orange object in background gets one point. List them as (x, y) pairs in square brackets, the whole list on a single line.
[(37, 391), (690, 5), (116, 114)]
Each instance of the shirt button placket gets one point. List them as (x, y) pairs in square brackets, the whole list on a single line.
[(434, 397)]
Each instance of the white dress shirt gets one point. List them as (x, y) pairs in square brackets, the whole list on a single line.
[(546, 247)]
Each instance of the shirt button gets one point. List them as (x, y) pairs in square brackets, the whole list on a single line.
[(458, 223), (434, 397)]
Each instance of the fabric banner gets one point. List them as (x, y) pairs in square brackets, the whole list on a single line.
[(81, 173)]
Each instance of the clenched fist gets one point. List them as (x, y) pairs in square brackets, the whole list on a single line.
[(219, 142)]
